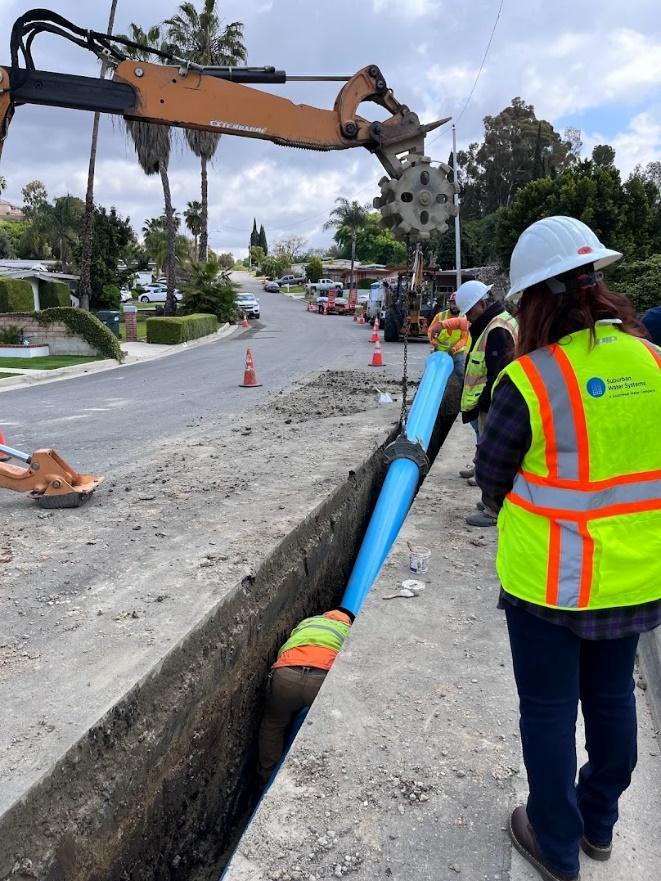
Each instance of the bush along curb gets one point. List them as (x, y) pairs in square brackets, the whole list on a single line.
[(85, 325), (171, 331)]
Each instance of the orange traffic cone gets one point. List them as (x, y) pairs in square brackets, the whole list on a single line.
[(361, 320), (249, 375), (3, 456), (377, 357), (244, 323), (375, 331)]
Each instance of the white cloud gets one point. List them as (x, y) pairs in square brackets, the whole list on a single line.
[(407, 8)]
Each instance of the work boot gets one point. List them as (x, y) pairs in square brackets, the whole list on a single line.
[(600, 852), (482, 518), (523, 839), (468, 471), (471, 481)]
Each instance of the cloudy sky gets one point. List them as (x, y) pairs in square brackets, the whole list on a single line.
[(580, 62)]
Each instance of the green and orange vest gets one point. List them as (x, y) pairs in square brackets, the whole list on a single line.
[(581, 527)]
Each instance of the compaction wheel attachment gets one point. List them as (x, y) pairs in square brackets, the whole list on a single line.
[(419, 203)]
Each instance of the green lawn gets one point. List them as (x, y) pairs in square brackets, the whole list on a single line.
[(142, 330), (6, 375), (49, 362), (292, 289)]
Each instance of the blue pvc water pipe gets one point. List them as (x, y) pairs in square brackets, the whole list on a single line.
[(400, 484)]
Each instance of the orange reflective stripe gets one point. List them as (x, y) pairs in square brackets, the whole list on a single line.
[(587, 565), (653, 349), (591, 485), (553, 572), (546, 412), (578, 413), (585, 516)]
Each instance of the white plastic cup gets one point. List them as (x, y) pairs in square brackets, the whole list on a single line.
[(419, 559)]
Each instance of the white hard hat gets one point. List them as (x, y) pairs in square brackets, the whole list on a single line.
[(552, 246), (470, 293)]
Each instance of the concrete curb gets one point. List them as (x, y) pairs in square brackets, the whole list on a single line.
[(24, 379)]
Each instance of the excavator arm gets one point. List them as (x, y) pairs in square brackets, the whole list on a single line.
[(220, 100)]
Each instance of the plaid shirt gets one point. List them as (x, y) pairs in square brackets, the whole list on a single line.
[(500, 451)]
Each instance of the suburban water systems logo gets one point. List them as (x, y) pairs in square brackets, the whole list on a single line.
[(596, 387)]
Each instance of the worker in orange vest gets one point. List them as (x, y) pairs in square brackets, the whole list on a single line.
[(448, 332), (296, 677)]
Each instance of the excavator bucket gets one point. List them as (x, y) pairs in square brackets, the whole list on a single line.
[(49, 480)]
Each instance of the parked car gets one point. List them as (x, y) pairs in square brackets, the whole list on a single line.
[(363, 298), (272, 287), (125, 295), (248, 304), (324, 284), (290, 279), (156, 293)]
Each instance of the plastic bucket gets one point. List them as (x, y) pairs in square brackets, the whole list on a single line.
[(419, 559)]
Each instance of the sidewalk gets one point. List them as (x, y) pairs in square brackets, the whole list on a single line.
[(136, 353), (409, 761)]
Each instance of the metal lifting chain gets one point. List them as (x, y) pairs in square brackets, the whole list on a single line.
[(404, 413)]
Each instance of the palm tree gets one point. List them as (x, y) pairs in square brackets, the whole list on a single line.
[(203, 38), (193, 218), (85, 283), (347, 218), (152, 144)]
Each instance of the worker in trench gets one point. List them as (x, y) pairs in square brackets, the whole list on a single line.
[(493, 333), (295, 679), (570, 457)]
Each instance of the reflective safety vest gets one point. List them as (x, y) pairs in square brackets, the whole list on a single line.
[(318, 630), (581, 527), (452, 339), (475, 378)]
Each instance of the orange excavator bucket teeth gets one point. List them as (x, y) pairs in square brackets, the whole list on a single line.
[(51, 481)]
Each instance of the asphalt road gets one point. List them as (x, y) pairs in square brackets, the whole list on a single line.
[(104, 419)]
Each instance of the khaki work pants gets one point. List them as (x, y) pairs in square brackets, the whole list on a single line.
[(289, 690)]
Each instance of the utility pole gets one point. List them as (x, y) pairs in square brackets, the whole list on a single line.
[(457, 224)]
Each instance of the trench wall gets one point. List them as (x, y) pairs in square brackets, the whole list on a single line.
[(154, 791)]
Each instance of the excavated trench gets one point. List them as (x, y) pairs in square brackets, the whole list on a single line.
[(160, 789)]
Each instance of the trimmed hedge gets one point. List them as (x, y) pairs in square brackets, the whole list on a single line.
[(171, 331), (85, 325), (53, 294), (16, 295)]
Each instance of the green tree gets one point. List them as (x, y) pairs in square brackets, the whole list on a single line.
[(84, 285), (201, 37), (254, 236), (6, 246), (152, 145), (35, 197), (193, 218), (346, 219), (226, 260), (603, 156), (624, 216), (376, 244), (61, 223), (209, 290), (314, 269), (263, 244), (257, 255), (14, 233), (111, 237), (639, 279), (517, 147)]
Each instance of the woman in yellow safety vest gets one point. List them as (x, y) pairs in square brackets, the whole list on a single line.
[(571, 459)]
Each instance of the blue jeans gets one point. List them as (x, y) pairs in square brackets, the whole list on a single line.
[(554, 669)]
